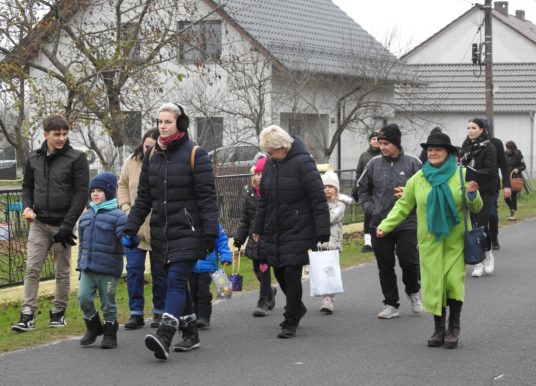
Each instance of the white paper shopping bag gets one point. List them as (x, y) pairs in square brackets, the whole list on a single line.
[(325, 273)]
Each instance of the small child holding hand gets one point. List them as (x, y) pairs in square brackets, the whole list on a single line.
[(100, 259)]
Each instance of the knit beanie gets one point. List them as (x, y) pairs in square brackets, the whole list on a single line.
[(372, 135), (391, 133), (259, 166), (331, 178), (107, 182)]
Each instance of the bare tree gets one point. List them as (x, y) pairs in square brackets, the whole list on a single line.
[(100, 58)]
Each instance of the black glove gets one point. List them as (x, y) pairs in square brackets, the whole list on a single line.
[(323, 238), (130, 239), (237, 243), (210, 243), (65, 237)]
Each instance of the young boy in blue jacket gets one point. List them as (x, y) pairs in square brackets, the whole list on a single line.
[(100, 259), (200, 278)]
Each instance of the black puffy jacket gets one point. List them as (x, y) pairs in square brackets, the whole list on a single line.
[(183, 202), (55, 186), (245, 226), (292, 211)]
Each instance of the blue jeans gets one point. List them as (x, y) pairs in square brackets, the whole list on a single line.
[(178, 299), (136, 281)]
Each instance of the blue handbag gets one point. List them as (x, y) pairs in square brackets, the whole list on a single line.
[(474, 241)]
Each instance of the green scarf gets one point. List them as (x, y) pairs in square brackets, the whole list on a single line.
[(441, 214), (107, 205)]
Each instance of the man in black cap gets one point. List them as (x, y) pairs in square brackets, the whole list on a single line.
[(380, 185), (364, 158)]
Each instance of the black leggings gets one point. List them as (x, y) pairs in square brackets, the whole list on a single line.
[(289, 279), (482, 218), (265, 279), (512, 201)]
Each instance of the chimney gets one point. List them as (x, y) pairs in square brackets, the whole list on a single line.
[(520, 14), (501, 6)]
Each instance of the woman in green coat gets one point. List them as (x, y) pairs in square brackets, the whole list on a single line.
[(436, 191)]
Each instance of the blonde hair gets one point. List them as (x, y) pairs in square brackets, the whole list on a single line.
[(274, 137), (171, 108)]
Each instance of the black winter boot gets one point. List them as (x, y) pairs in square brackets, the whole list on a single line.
[(94, 329), (159, 343), (438, 337), (455, 309), (262, 307), (110, 334), (134, 322), (271, 298), (204, 311), (190, 335)]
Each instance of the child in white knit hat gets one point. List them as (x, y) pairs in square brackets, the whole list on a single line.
[(337, 203)]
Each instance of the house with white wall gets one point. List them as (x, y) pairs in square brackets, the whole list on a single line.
[(302, 64), (452, 88)]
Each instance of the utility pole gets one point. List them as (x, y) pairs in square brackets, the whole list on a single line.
[(489, 65)]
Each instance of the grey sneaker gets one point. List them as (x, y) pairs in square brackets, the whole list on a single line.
[(416, 305), (389, 312), (25, 323)]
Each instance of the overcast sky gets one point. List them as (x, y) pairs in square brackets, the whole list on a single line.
[(415, 20)]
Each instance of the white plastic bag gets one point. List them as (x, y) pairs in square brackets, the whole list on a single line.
[(325, 273)]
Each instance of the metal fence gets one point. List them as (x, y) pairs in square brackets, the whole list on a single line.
[(230, 193), (13, 236)]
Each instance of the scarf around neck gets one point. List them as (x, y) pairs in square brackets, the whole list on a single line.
[(164, 142), (106, 205), (441, 214)]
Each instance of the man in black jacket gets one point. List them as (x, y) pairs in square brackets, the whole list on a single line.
[(380, 185), (54, 193)]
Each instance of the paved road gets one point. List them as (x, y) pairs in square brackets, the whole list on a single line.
[(350, 347)]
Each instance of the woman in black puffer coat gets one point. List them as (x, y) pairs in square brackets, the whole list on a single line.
[(244, 231), (479, 154), (292, 216), (177, 183)]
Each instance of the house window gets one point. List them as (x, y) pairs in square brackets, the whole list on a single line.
[(199, 42), (129, 40), (209, 132)]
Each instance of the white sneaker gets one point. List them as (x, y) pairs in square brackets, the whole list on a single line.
[(389, 312), (478, 270), (416, 305), (327, 304), (489, 263)]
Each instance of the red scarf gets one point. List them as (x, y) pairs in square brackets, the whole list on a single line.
[(172, 138)]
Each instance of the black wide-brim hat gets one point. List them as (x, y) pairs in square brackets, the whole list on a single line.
[(439, 140)]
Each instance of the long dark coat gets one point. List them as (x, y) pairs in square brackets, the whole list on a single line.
[(182, 199), (292, 211), (245, 226)]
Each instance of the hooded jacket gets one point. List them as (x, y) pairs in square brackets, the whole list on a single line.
[(245, 226), (55, 186), (376, 186), (292, 210)]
